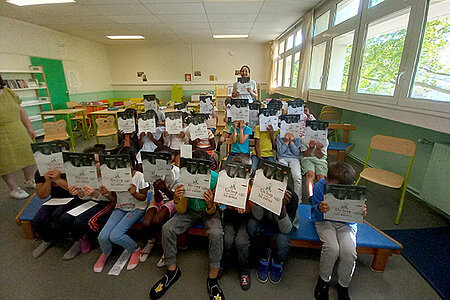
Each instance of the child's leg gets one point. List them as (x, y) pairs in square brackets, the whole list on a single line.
[(255, 162), (103, 237), (118, 234), (213, 225), (346, 236), (308, 169), (296, 171), (310, 175), (321, 167), (282, 245), (229, 235), (330, 248), (254, 230), (243, 247)]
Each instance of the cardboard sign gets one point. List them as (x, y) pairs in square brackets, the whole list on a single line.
[(239, 110), (268, 116), (296, 107), (174, 122), (48, 156), (150, 102), (206, 105), (243, 83), (290, 124), (156, 165), (126, 121), (346, 202), (147, 122), (116, 172), (232, 184), (195, 175), (80, 169), (197, 127), (270, 185), (316, 131), (253, 119)]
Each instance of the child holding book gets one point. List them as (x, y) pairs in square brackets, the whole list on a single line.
[(149, 141), (288, 152), (338, 238), (190, 210), (240, 134), (130, 207), (264, 145)]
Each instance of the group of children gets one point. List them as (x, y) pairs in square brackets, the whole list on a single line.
[(230, 230)]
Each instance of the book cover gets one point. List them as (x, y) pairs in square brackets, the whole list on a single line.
[(156, 165), (346, 202), (80, 169), (268, 116), (116, 172), (317, 131), (239, 110), (296, 107), (48, 155), (290, 124), (253, 114), (147, 122), (206, 105), (174, 122), (232, 184), (126, 121), (150, 102), (197, 127), (195, 175)]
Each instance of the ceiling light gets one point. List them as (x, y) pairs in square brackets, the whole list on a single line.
[(125, 37), (36, 2), (230, 36)]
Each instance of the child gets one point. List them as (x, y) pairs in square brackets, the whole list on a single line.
[(235, 232), (240, 134), (338, 238), (271, 264), (211, 122), (226, 129), (130, 207), (174, 141), (190, 210), (251, 92), (149, 141), (264, 145), (288, 152)]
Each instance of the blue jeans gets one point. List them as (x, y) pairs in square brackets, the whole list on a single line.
[(116, 228), (255, 162), (213, 130)]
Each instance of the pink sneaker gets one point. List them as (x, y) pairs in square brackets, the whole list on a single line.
[(134, 259), (85, 244), (98, 267)]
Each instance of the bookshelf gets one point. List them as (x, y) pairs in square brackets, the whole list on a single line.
[(32, 88)]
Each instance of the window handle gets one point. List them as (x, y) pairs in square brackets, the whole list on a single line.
[(400, 76)]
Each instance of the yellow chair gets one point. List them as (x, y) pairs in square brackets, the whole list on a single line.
[(55, 131), (106, 126), (78, 118), (333, 114), (386, 178)]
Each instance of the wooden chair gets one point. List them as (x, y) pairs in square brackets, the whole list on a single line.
[(386, 178), (106, 126), (78, 118), (333, 115), (340, 149), (55, 131)]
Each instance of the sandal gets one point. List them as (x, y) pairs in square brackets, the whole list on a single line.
[(146, 250)]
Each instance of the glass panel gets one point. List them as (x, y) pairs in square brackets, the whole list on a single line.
[(382, 54), (295, 70), (374, 2), (341, 52), (287, 72), (298, 38), (318, 54), (432, 78), (275, 73), (290, 42), (280, 72), (281, 48), (345, 10), (321, 23)]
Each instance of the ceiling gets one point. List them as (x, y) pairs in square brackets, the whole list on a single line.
[(186, 21)]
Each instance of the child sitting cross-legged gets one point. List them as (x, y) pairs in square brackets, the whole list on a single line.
[(338, 238)]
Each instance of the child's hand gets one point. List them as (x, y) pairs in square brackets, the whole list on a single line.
[(181, 134), (312, 144), (142, 135), (323, 207), (287, 138), (270, 129), (132, 189), (104, 191), (73, 190), (88, 190), (47, 176), (165, 133), (159, 184), (306, 111), (241, 210), (241, 124), (54, 174), (209, 198), (150, 135), (235, 94), (196, 141), (236, 124), (364, 211), (287, 197), (319, 145), (179, 191)]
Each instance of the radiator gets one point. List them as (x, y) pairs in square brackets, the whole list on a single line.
[(436, 185)]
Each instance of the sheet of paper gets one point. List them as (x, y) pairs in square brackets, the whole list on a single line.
[(293, 128), (195, 185), (240, 113), (147, 125), (58, 201), (49, 162), (231, 191), (120, 263), (186, 151), (315, 135), (243, 87), (268, 193), (198, 131), (150, 104), (206, 107), (347, 210), (295, 110), (117, 180), (82, 208), (266, 121), (174, 126), (127, 125), (81, 176)]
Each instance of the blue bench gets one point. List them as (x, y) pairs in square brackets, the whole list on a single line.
[(369, 239)]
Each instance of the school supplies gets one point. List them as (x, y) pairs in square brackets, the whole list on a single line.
[(174, 122), (206, 105), (156, 165), (253, 116), (296, 107), (232, 184), (290, 124), (316, 131), (126, 121), (195, 175), (197, 127), (116, 172), (239, 110), (48, 155), (268, 116), (346, 202), (147, 122), (80, 169)]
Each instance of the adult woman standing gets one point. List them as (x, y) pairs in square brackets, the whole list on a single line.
[(16, 135), (251, 92)]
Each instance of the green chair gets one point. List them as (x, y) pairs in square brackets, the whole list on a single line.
[(386, 178)]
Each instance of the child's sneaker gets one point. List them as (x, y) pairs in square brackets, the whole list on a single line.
[(321, 289), (98, 267), (276, 270), (342, 292), (214, 290), (263, 267), (158, 290), (31, 184), (245, 280), (134, 259), (19, 193)]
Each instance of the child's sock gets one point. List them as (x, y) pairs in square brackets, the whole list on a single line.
[(98, 267), (41, 249), (73, 251), (85, 244), (134, 259)]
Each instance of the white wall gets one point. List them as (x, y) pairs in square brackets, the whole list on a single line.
[(85, 63)]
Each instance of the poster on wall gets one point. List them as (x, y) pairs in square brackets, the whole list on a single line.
[(232, 184), (346, 202), (116, 172), (195, 175), (268, 116), (48, 156), (80, 169)]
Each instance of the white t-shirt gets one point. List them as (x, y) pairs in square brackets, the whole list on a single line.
[(246, 95), (126, 202), (148, 145)]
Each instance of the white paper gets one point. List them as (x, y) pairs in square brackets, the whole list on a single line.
[(242, 87), (293, 128), (295, 111), (206, 107), (82, 208), (195, 185), (46, 163), (268, 193), (315, 135), (231, 191), (347, 210), (239, 113), (147, 125), (120, 263), (150, 105), (81, 176), (186, 151), (117, 180), (127, 126), (161, 169), (266, 121), (199, 131), (174, 126), (58, 201)]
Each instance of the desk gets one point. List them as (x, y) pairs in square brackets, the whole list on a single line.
[(67, 112), (104, 112)]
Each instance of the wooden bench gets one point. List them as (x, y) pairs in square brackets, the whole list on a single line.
[(340, 149)]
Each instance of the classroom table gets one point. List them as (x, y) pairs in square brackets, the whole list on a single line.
[(67, 113), (103, 112)]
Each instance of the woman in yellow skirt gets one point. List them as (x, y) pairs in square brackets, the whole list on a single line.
[(16, 135)]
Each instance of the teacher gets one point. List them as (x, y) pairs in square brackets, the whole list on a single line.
[(251, 92), (16, 135)]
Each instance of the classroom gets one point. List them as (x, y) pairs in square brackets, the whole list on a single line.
[(212, 149)]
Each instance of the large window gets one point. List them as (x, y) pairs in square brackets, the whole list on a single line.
[(280, 72), (317, 58), (290, 42), (298, 38), (287, 72), (341, 52), (345, 10), (321, 23), (295, 69)]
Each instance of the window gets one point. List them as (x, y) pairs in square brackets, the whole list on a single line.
[(341, 52), (281, 48), (432, 77), (382, 54), (345, 10), (280, 72), (290, 42), (317, 58), (287, 72), (298, 38), (321, 23), (374, 2), (295, 70)]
